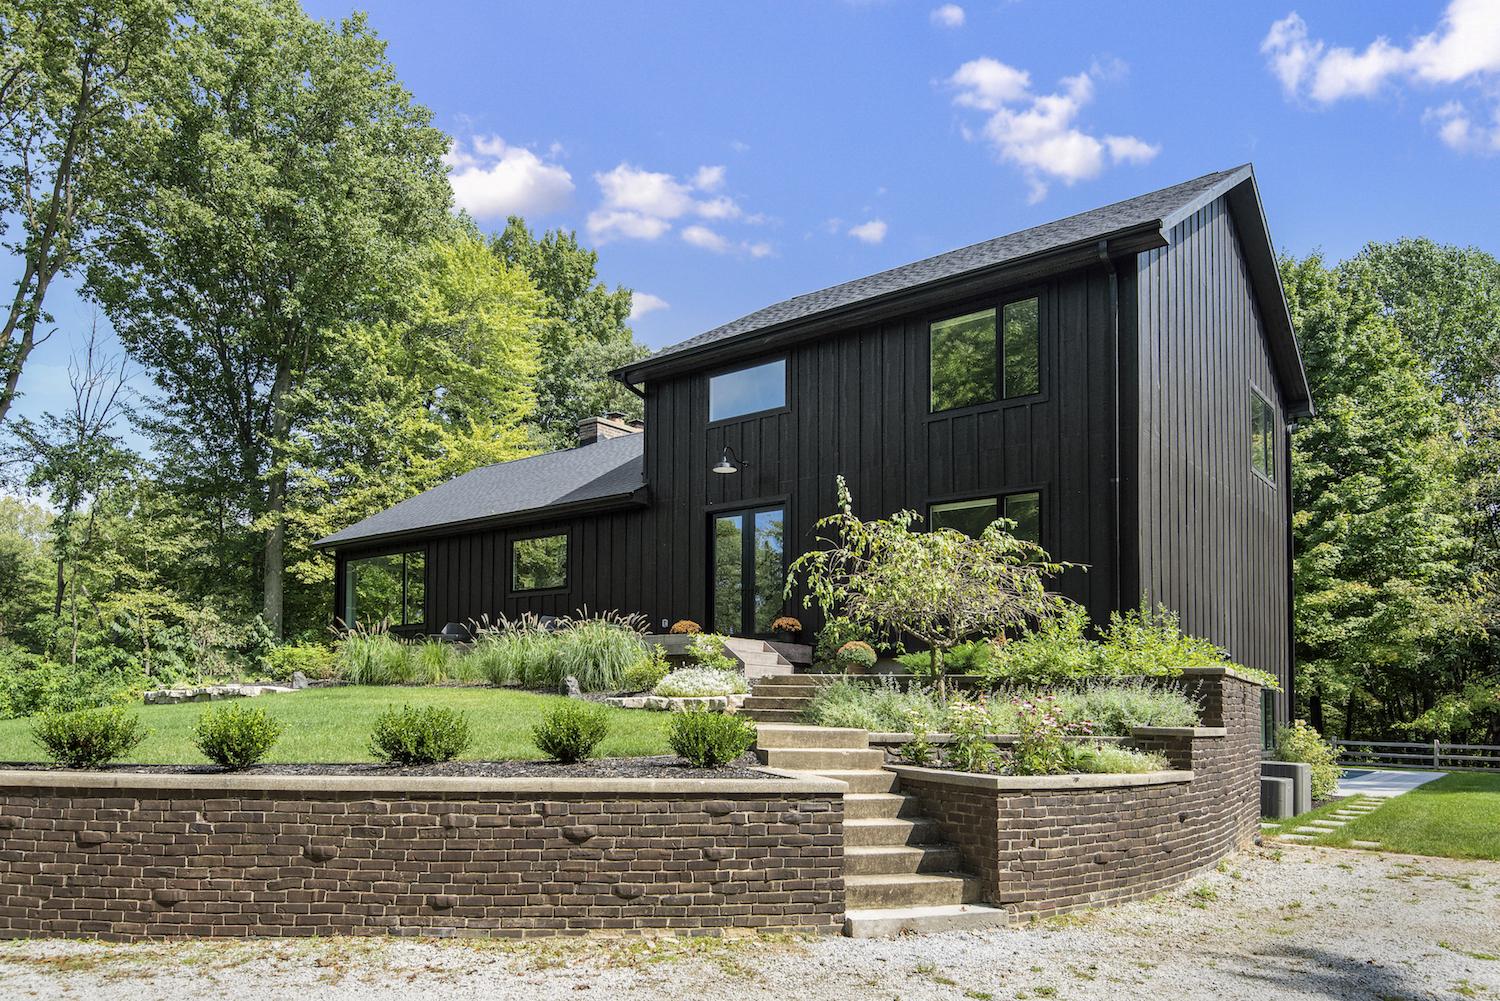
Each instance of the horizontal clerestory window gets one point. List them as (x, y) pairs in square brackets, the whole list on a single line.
[(972, 517)]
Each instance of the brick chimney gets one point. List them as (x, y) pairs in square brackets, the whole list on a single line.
[(611, 425)]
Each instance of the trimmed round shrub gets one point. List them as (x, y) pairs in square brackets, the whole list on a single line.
[(88, 738), (421, 735), (571, 731), (236, 737), (701, 682), (709, 739), (855, 657), (646, 673)]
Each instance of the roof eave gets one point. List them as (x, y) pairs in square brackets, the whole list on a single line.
[(636, 497), (1081, 253)]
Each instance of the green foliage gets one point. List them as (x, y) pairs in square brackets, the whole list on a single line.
[(422, 735), (701, 682), (371, 658), (940, 586), (1104, 758), (597, 651), (236, 737), (876, 705), (971, 657), (836, 631), (647, 672), (970, 748), (572, 731), (88, 738), (314, 660), (919, 751), (1300, 742), (1469, 716), (500, 656), (709, 739), (1116, 708), (1041, 731), (708, 651), (855, 657)]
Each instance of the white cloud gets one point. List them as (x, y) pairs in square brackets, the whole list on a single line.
[(642, 204), (702, 236), (1039, 132), (1463, 49), (759, 249), (949, 15), (869, 232), (644, 303), (492, 179)]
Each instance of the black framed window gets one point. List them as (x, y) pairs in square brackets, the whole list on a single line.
[(973, 359), (972, 517), (747, 390), (1267, 718), (749, 570), (539, 563), (391, 589), (1262, 436)]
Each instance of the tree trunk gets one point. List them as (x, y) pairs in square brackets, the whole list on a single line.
[(1315, 710), (1349, 713), (275, 547)]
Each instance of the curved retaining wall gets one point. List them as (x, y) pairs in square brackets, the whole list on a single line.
[(1048, 844), (137, 855)]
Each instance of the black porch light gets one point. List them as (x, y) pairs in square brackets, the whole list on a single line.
[(729, 462)]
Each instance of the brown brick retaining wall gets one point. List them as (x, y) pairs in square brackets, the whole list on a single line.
[(128, 856), (1045, 845)]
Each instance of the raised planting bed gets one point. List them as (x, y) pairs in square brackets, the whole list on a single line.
[(128, 855)]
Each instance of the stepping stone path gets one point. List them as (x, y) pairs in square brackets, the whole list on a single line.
[(1353, 808)]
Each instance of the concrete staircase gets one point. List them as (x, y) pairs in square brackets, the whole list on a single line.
[(899, 876), (760, 659), (779, 698)]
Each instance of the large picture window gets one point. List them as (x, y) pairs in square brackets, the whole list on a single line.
[(747, 391), (972, 517), (387, 589), (539, 563), (1262, 436), (973, 360)]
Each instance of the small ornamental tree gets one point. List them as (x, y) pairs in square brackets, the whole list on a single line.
[(940, 586)]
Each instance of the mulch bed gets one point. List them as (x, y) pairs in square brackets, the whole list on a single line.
[(664, 766)]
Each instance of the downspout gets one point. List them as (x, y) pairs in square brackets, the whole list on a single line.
[(620, 378), (1114, 347), (1291, 587)]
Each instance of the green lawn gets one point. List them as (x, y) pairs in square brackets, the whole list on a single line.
[(1457, 816), (333, 724)]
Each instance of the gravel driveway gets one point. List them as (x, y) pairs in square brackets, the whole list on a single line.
[(1298, 923)]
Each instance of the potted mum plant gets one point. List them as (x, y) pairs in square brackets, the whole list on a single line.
[(786, 628)]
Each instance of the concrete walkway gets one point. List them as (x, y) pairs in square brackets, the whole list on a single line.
[(1383, 784)]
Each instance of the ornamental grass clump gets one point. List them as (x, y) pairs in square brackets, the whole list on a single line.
[(571, 731), (709, 739), (701, 682), (597, 651), (88, 738), (236, 737), (422, 735)]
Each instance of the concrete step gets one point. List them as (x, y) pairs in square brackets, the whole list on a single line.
[(908, 889), (811, 736), (876, 806), (774, 702), (815, 759), (887, 922), (863, 781), (886, 860), (762, 657), (759, 672), (797, 680), (774, 715), (890, 831)]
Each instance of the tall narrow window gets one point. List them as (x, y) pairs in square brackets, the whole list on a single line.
[(539, 563), (1262, 436), (747, 391), (973, 361), (1026, 511), (1022, 349), (749, 571), (389, 589)]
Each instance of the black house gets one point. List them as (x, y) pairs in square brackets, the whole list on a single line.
[(1120, 382)]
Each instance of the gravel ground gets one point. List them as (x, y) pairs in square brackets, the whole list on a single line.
[(1297, 923)]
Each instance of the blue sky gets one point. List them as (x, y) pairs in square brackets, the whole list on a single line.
[(724, 156)]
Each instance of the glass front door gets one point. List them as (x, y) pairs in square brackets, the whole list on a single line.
[(749, 571)]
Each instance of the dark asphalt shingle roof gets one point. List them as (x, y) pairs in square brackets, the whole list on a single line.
[(1156, 206), (609, 468)]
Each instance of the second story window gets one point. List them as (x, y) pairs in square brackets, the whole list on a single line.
[(972, 517), (747, 390), (974, 359), (1262, 436)]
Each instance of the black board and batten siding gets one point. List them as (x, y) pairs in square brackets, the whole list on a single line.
[(1213, 534)]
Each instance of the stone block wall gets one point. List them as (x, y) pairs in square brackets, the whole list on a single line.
[(1044, 845), (130, 857)]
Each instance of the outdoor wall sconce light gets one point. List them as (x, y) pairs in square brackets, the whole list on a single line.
[(729, 462)]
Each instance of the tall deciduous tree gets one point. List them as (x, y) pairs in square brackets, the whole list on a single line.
[(77, 80), (583, 334), (293, 182)]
